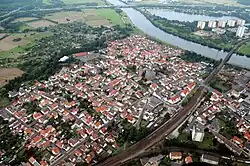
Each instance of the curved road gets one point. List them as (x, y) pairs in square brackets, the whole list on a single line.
[(169, 126)]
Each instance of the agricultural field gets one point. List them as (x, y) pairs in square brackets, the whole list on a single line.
[(112, 16), (93, 19), (25, 19), (7, 74), (11, 49), (40, 24), (9, 43), (66, 17), (70, 2)]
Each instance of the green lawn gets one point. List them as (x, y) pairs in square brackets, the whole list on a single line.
[(47, 2), (99, 2), (245, 49), (144, 123), (222, 123), (183, 137), (24, 27), (207, 142), (112, 16)]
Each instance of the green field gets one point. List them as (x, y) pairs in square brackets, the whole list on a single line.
[(245, 49), (70, 2), (207, 142), (112, 16), (24, 27), (47, 2)]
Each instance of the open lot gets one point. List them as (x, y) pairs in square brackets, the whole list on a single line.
[(7, 74), (24, 19), (99, 2), (40, 24), (66, 17), (2, 35)]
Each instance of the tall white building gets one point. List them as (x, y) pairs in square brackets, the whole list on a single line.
[(198, 134), (231, 23), (212, 24), (222, 23), (241, 22), (240, 31), (201, 24)]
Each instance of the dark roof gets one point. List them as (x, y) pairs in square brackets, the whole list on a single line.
[(210, 157)]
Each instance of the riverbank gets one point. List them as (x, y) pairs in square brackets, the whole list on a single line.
[(187, 34)]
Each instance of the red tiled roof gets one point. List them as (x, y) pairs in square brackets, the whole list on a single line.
[(44, 163), (188, 159), (55, 150), (101, 108), (36, 139), (78, 153), (237, 140), (81, 54), (37, 115)]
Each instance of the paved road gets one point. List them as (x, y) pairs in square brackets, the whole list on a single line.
[(169, 126), (227, 142)]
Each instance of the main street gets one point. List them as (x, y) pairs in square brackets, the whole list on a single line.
[(168, 127)]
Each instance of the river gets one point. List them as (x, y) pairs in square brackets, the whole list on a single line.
[(140, 21), (172, 15)]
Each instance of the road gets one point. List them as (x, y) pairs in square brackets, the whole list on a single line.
[(169, 126), (228, 143)]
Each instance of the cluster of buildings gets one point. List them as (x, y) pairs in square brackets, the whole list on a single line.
[(179, 158), (220, 23), (224, 23), (66, 117), (236, 102)]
